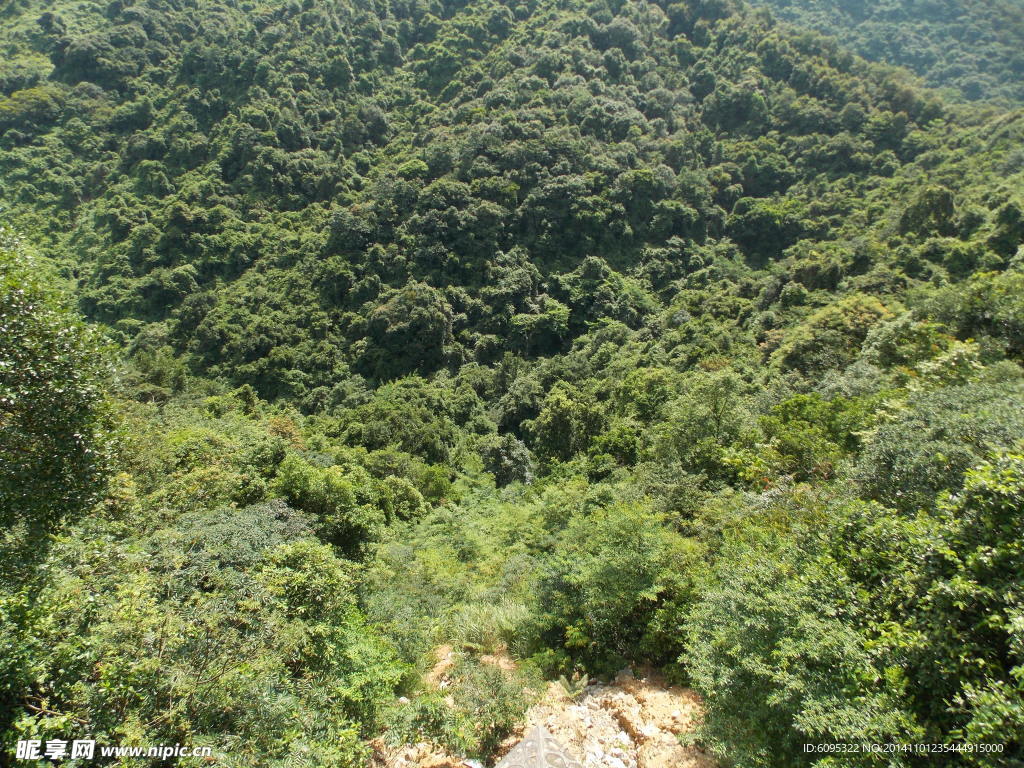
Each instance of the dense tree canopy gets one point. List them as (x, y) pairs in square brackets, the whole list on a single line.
[(972, 48)]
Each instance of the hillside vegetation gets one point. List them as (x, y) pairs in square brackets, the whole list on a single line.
[(974, 48), (601, 333)]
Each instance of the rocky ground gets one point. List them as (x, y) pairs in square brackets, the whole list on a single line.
[(634, 722), (637, 721)]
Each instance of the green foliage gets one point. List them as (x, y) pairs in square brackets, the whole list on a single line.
[(832, 336), (904, 341), (407, 332), (297, 208), (795, 430), (30, 109), (989, 306), (574, 687), (927, 39), (409, 414), (189, 636), (698, 425), (567, 421), (927, 447), (489, 627), (349, 507), (607, 591), (507, 458), (54, 425), (765, 228), (932, 211), (867, 624), (588, 333), (489, 703), (773, 644), (974, 607)]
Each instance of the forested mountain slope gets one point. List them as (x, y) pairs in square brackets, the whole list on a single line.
[(973, 47), (594, 332), (268, 193)]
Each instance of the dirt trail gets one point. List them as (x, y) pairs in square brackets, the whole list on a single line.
[(633, 722)]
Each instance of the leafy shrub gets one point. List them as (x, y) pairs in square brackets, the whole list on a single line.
[(568, 420), (695, 428), (54, 429), (507, 458), (857, 623), (605, 592), (342, 504), (189, 637), (30, 109), (772, 643), (410, 414), (929, 444), (989, 305), (832, 336), (409, 332), (472, 716)]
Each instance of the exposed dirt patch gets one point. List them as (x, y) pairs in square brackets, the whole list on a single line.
[(499, 659), (412, 756), (630, 723), (438, 676)]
